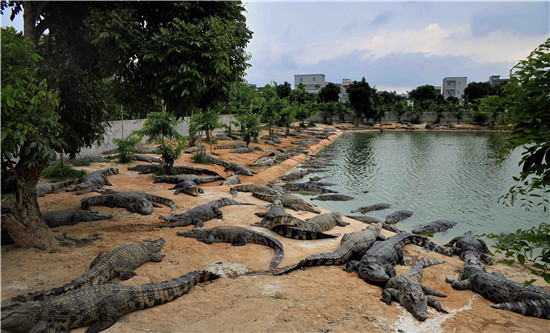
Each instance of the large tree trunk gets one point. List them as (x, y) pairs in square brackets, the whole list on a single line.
[(23, 220)]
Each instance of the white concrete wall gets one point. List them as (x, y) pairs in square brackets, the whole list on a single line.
[(115, 131)]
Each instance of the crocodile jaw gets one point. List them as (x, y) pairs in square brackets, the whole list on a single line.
[(373, 273), (19, 317)]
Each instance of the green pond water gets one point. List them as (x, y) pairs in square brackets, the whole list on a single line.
[(439, 176)]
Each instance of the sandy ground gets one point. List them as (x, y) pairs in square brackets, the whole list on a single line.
[(319, 299)]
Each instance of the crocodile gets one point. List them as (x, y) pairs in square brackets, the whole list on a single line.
[(351, 244), (194, 178), (245, 150), (467, 246), (258, 188), (89, 158), (145, 158), (264, 161), (199, 214), (294, 175), (328, 221), (372, 220), (98, 307), (231, 145), (289, 201), (58, 218), (236, 168), (156, 168), (231, 180), (333, 197), (275, 209), (508, 295), (46, 188), (187, 187), (307, 187), (93, 181), (276, 187), (408, 291), (237, 236), (433, 227), (376, 264), (120, 261), (399, 215), (133, 201), (301, 233), (366, 209)]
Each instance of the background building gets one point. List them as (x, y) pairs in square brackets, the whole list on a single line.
[(495, 79), (454, 86), (344, 96), (313, 82)]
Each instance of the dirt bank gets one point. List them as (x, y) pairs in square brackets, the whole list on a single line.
[(319, 299)]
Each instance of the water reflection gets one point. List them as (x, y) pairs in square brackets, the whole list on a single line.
[(451, 176)]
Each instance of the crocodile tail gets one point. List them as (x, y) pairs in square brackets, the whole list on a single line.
[(301, 233), (166, 291), (228, 202), (86, 203), (321, 259), (279, 251), (416, 270), (165, 201), (429, 245), (262, 196), (539, 308)]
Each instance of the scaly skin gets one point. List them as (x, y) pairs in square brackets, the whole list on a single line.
[(152, 168), (46, 188), (509, 295), (121, 262), (237, 236), (377, 263), (366, 209), (433, 227), (351, 244), (231, 145), (275, 209), (372, 220), (93, 181), (236, 168), (98, 307), (199, 214), (301, 233), (287, 220), (467, 246), (72, 216), (333, 197), (253, 188), (145, 158), (289, 201), (408, 291), (187, 187), (179, 178), (133, 201), (307, 187), (399, 215), (245, 150)]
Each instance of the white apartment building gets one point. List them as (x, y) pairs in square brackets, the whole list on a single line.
[(310, 81), (454, 86)]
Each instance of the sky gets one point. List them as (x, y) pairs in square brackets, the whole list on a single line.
[(395, 45)]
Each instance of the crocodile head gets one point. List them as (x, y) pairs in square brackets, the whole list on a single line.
[(414, 300), (153, 245), (19, 317), (141, 206), (373, 272), (197, 233)]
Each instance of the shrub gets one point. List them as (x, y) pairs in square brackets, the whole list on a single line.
[(61, 171)]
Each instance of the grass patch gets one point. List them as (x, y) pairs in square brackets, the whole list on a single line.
[(111, 157), (66, 240), (278, 296), (81, 163), (61, 171)]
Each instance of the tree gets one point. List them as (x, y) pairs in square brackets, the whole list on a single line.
[(206, 120), (283, 90), (187, 53), (329, 93), (286, 115), (477, 90), (30, 133), (527, 103), (361, 99), (240, 100)]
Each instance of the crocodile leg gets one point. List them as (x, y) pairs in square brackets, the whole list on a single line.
[(459, 285), (435, 304), (388, 294), (430, 291), (351, 265), (241, 240), (156, 257), (108, 315)]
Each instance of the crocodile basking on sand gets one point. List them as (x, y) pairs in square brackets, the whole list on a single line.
[(120, 261), (232, 145), (258, 188), (408, 291), (433, 227), (194, 178), (155, 168), (289, 201), (58, 218), (145, 158), (94, 181), (275, 209), (351, 244), (509, 295), (237, 236), (245, 150), (199, 214), (294, 175), (467, 246), (46, 188), (231, 180), (133, 201), (234, 167), (98, 307), (187, 187), (376, 264)]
